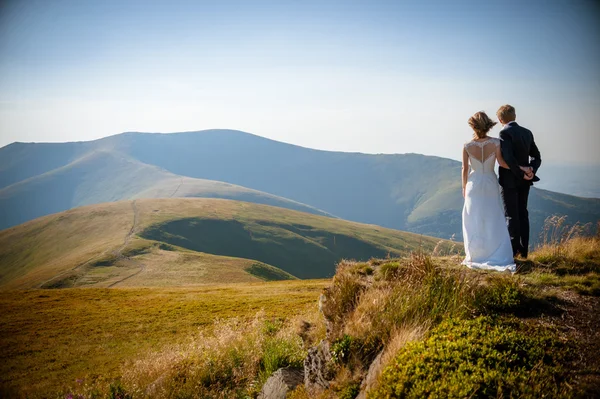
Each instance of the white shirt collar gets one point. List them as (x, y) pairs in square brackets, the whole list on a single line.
[(509, 123)]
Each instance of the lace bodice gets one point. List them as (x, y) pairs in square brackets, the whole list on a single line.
[(482, 155)]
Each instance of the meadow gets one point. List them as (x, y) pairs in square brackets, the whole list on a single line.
[(388, 324), (50, 339)]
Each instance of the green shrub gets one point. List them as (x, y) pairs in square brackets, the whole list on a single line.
[(278, 353), (340, 349), (350, 392), (478, 358), (389, 270), (364, 269), (500, 295), (272, 327)]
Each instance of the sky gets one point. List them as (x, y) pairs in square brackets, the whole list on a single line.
[(364, 76)]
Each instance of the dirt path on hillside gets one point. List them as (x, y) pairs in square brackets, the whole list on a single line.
[(177, 189), (119, 252)]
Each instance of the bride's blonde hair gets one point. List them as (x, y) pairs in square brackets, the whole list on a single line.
[(481, 124)]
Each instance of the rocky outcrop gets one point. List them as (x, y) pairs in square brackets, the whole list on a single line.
[(371, 378), (318, 369), (281, 382)]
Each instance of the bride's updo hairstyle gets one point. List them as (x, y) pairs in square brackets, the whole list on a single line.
[(481, 124)]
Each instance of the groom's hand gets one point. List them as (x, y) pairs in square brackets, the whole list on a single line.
[(528, 176)]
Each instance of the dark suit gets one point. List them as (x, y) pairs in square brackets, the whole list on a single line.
[(518, 149)]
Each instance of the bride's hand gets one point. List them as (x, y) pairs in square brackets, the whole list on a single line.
[(526, 169)]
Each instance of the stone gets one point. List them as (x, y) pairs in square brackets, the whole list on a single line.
[(318, 369), (369, 381), (281, 382)]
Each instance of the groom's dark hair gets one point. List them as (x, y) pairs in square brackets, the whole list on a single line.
[(506, 113)]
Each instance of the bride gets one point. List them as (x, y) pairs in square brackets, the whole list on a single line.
[(485, 233)]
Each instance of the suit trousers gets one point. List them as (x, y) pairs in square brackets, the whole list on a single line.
[(515, 206)]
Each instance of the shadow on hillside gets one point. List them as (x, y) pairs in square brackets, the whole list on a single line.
[(303, 251)]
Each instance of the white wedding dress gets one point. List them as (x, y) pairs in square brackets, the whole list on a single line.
[(485, 232)]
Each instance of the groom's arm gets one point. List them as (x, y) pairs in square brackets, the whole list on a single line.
[(507, 153), (534, 156)]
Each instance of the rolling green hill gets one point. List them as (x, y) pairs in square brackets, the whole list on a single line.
[(174, 242), (105, 176), (409, 192)]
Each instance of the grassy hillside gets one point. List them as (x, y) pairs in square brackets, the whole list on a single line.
[(170, 242), (417, 326), (104, 176), (407, 192), (51, 338)]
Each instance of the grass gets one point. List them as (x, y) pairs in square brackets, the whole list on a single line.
[(566, 259), (232, 360), (50, 338), (268, 273), (437, 328), (442, 330), (86, 246)]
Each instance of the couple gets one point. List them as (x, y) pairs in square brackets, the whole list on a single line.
[(489, 244)]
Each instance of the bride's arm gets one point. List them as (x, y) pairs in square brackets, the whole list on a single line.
[(465, 170), (500, 159)]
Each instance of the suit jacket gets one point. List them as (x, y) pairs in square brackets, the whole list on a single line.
[(518, 149)]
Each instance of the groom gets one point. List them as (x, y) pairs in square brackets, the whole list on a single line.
[(518, 149)]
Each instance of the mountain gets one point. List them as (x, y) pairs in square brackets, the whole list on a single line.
[(105, 176), (404, 191), (175, 242)]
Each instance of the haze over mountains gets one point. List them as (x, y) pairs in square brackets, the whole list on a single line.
[(406, 191)]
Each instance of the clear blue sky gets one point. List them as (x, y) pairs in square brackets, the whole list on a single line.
[(368, 76)]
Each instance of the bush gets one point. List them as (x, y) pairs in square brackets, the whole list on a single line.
[(278, 353), (340, 349), (478, 358), (500, 294), (350, 392), (343, 295)]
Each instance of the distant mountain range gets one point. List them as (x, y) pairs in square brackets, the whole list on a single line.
[(407, 192), (579, 180)]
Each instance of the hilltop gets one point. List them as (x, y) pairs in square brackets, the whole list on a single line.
[(409, 192), (175, 242)]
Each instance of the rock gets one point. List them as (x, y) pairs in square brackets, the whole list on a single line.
[(322, 309), (281, 382), (371, 378), (318, 367)]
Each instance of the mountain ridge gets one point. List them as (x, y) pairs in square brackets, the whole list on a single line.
[(412, 192)]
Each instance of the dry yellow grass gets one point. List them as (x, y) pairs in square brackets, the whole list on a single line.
[(50, 338), (35, 252)]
